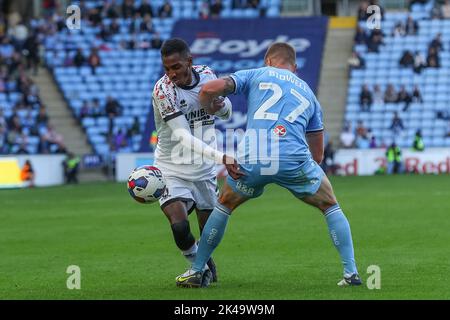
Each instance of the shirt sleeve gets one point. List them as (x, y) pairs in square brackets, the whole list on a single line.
[(181, 131), (242, 80), (315, 122), (164, 99)]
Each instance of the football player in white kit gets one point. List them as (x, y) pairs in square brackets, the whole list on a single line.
[(186, 150)]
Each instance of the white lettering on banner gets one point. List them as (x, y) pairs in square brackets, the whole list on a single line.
[(245, 48), (366, 162)]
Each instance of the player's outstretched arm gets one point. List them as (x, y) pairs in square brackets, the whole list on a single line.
[(182, 133), (212, 90)]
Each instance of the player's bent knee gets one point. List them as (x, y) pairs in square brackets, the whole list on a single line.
[(229, 200), (183, 235)]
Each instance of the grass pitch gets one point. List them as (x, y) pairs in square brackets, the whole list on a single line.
[(275, 246)]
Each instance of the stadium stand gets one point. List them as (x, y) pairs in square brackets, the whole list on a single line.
[(24, 124), (128, 60), (424, 105)]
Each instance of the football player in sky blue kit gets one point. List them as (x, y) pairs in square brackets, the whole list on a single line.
[(283, 144)]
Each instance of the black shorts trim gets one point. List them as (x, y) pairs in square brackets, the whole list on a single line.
[(182, 200)]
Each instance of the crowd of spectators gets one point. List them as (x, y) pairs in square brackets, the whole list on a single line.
[(369, 98), (23, 117), (373, 40)]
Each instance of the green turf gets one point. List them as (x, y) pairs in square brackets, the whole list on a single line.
[(275, 247)]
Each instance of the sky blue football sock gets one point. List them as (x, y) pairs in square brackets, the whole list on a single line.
[(211, 236), (341, 236)]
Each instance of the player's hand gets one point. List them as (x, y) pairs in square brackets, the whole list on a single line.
[(217, 104), (232, 167)]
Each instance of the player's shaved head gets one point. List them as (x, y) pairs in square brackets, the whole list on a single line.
[(175, 45), (280, 53)]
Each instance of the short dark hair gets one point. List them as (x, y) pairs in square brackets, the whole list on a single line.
[(175, 45), (282, 51)]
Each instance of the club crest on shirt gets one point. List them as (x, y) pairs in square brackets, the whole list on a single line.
[(279, 130)]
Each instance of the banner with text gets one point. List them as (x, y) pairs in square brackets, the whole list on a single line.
[(366, 162)]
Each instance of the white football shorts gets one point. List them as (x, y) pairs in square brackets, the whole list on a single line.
[(196, 194)]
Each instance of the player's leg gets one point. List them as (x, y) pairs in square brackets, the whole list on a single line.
[(177, 203), (216, 224), (339, 229), (177, 214), (202, 218), (212, 235)]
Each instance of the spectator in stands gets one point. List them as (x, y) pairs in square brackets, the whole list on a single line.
[(360, 36), (4, 147), (51, 137), (356, 62), (49, 7), (417, 96), (404, 96), (419, 63), (365, 98), (29, 124), (165, 11), (114, 27), (445, 10), (413, 2), (31, 52), (407, 59), (94, 16), (127, 9), (135, 129), (399, 30), (145, 8), (6, 48), (362, 11), (390, 95), (362, 141), (436, 43), (105, 32), (378, 98), (443, 115), (94, 60), (112, 107), (111, 10), (394, 159), (375, 41), (418, 144), (215, 8), (204, 10), (347, 137), (147, 24), (373, 142), (433, 60), (397, 123), (361, 130), (120, 140), (135, 24), (2, 119), (84, 110), (412, 27), (79, 59), (42, 117), (96, 110), (156, 41)]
